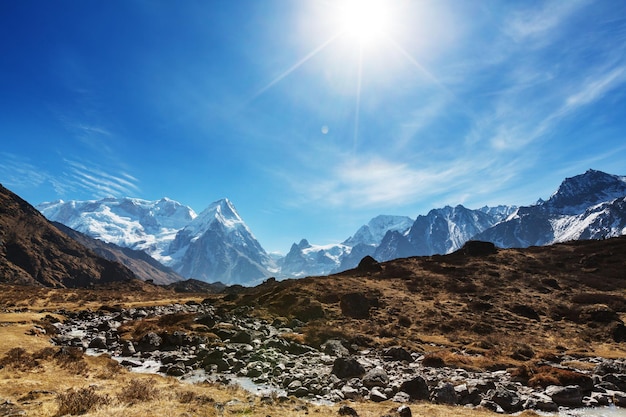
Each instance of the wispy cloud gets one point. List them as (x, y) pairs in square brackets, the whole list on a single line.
[(19, 172), (91, 179), (534, 24)]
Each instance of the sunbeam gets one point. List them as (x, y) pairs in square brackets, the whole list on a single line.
[(295, 66)]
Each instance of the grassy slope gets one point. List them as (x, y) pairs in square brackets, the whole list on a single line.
[(464, 310)]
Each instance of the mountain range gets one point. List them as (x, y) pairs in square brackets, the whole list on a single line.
[(217, 245)]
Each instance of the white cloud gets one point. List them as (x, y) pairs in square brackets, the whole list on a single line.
[(19, 172), (99, 182), (536, 23)]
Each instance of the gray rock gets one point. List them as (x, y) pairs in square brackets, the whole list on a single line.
[(376, 377), (404, 411), (417, 388), (128, 349), (507, 399), (347, 368), (149, 343), (445, 394), (350, 392), (377, 396), (397, 353), (569, 396), (335, 347), (98, 343), (619, 399)]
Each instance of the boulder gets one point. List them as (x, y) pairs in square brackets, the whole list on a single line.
[(417, 388), (569, 396), (334, 347), (347, 368), (369, 265), (376, 377), (507, 399), (98, 343), (445, 394), (377, 395), (149, 343), (397, 353), (128, 349)]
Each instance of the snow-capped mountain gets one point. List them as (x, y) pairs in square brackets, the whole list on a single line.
[(215, 245), (373, 232), (128, 222), (441, 231), (218, 246), (305, 259), (587, 206)]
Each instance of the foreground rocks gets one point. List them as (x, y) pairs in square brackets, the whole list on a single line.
[(236, 348)]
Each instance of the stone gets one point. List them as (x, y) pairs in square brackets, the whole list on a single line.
[(619, 399), (445, 394), (149, 343), (349, 392), (376, 377), (98, 343), (347, 368), (404, 411), (335, 347), (417, 388), (397, 353), (377, 396), (569, 396), (369, 265), (128, 349), (507, 399), (401, 397)]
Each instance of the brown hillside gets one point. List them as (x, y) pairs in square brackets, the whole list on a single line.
[(499, 305), (32, 251)]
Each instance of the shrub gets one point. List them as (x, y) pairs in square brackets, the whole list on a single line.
[(138, 390), (80, 401), (19, 359)]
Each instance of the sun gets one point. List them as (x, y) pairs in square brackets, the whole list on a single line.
[(365, 21)]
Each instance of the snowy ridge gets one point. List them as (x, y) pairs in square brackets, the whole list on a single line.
[(128, 222), (217, 245)]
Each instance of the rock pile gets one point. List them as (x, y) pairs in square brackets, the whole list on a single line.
[(236, 346)]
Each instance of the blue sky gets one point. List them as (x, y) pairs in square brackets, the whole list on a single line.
[(308, 127)]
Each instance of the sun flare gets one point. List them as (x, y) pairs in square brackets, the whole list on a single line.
[(366, 21)]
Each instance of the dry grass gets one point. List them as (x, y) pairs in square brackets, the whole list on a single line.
[(42, 380)]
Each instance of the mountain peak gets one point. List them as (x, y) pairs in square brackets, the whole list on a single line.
[(584, 190), (222, 211)]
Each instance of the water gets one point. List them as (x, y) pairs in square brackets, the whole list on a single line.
[(595, 412)]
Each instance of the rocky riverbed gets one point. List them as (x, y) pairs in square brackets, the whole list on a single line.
[(254, 352)]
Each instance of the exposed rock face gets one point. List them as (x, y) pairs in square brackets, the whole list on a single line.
[(32, 251)]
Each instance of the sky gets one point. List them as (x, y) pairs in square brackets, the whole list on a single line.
[(311, 116)]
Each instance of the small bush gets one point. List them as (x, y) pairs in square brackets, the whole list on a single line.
[(17, 358), (138, 390), (71, 359), (80, 401)]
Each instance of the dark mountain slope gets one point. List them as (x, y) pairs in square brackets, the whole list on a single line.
[(33, 251), (145, 267)]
